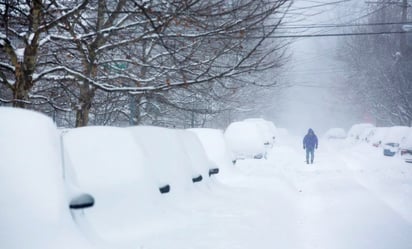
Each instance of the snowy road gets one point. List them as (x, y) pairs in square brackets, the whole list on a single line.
[(350, 198)]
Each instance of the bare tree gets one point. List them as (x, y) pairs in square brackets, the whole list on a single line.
[(103, 51), (23, 39), (382, 82)]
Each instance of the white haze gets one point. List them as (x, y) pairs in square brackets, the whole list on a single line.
[(314, 98)]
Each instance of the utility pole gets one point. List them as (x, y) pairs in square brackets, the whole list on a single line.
[(404, 19)]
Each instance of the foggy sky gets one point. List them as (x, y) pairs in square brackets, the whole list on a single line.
[(315, 74)]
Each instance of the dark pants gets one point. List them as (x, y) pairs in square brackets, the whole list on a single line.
[(310, 152)]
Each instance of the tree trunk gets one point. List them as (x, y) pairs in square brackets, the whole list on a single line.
[(21, 88), (84, 105)]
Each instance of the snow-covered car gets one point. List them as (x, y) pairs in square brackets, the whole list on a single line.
[(406, 154), (197, 155), (366, 134), (169, 161), (111, 166), (215, 147), (335, 133), (390, 149), (267, 129), (37, 205), (377, 136), (246, 140), (393, 138), (356, 131), (405, 147)]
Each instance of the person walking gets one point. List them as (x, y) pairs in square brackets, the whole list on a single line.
[(310, 143)]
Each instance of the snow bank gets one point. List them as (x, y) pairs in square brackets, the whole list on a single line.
[(245, 140), (34, 209)]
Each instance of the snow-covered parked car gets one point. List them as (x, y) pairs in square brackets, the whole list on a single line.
[(197, 155), (405, 147), (335, 133), (215, 147), (357, 130), (267, 129), (169, 161), (366, 134), (246, 140), (377, 136), (111, 166), (393, 138), (37, 205)]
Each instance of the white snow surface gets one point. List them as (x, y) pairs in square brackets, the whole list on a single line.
[(351, 197)]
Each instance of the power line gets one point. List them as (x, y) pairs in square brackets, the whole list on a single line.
[(314, 26), (332, 35)]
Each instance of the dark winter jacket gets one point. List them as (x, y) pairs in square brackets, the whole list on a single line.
[(310, 141)]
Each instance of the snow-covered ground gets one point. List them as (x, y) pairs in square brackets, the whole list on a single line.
[(351, 197)]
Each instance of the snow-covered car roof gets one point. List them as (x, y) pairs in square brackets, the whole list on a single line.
[(396, 134), (245, 139), (215, 146), (335, 133), (356, 130)]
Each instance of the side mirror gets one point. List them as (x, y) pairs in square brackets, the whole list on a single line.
[(82, 201), (213, 171), (165, 189), (197, 179)]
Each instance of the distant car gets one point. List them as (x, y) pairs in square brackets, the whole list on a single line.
[(406, 154), (246, 140), (267, 128), (356, 131), (393, 138), (378, 135), (405, 148), (335, 133), (390, 149)]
